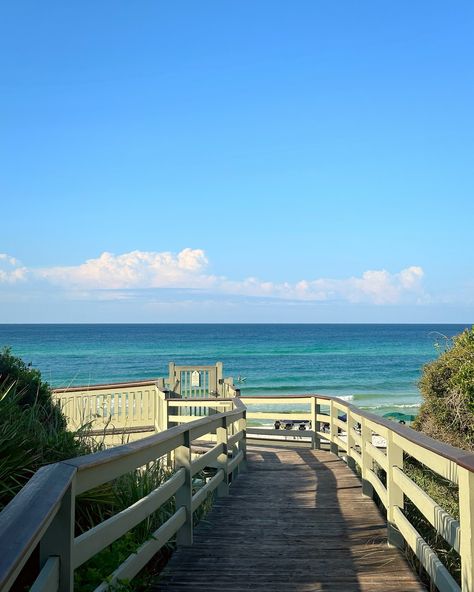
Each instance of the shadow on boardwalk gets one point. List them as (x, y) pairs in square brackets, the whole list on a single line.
[(296, 522)]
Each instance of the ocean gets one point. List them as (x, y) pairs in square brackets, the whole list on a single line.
[(377, 367)]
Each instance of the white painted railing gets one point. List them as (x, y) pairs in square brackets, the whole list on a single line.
[(43, 512), (353, 433), (377, 447), (123, 405)]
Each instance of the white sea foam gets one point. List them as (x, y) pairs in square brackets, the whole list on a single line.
[(392, 405), (346, 397)]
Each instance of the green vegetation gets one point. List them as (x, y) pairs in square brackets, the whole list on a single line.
[(447, 387), (445, 494), (30, 389), (120, 494), (33, 433), (32, 427), (447, 414)]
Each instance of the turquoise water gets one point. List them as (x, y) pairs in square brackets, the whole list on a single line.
[(375, 366)]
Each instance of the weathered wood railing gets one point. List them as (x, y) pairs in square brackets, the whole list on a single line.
[(352, 432), (347, 430), (135, 408), (43, 512), (131, 405)]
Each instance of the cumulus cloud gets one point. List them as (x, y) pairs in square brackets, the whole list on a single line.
[(11, 270), (137, 269), (376, 286), (126, 273)]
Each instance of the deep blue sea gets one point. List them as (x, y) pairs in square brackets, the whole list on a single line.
[(375, 366)]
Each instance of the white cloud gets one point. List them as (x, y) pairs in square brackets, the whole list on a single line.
[(376, 286), (120, 275), (11, 270), (137, 269), (411, 277)]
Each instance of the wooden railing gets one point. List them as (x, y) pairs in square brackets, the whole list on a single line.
[(377, 448), (133, 409), (122, 405), (42, 514), (353, 433)]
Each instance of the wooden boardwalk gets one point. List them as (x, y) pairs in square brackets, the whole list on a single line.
[(296, 522)]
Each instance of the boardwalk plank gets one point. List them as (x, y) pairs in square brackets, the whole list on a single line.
[(297, 521)]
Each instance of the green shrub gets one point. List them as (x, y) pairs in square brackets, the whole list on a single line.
[(31, 390), (32, 427), (32, 436), (447, 388), (33, 433), (446, 414)]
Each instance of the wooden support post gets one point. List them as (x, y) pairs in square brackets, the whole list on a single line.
[(333, 431), (243, 442), (366, 436), (161, 411), (219, 379), (466, 520), (184, 495), (394, 493), (58, 540), (315, 409), (222, 459), (350, 441), (172, 377), (169, 456)]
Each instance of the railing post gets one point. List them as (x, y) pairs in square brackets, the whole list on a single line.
[(333, 431), (161, 411), (466, 520), (172, 382), (394, 493), (243, 442), (366, 436), (58, 540), (219, 378), (166, 422), (350, 440), (184, 495), (315, 424), (222, 459)]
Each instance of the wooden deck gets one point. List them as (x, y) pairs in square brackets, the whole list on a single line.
[(296, 522)]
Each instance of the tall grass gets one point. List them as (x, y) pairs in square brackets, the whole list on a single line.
[(33, 433), (32, 436), (120, 494)]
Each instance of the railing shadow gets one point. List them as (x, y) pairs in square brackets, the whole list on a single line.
[(337, 532)]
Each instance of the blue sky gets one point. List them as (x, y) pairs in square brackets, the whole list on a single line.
[(236, 161)]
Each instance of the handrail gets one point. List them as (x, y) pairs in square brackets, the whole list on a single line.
[(447, 451), (107, 385), (26, 518), (354, 437), (43, 511), (115, 408)]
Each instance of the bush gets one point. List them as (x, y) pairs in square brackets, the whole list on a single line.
[(30, 389), (32, 427), (31, 436), (447, 388), (33, 433), (447, 414)]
